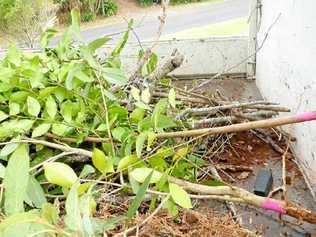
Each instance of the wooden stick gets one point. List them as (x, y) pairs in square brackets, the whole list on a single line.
[(266, 123), (281, 207)]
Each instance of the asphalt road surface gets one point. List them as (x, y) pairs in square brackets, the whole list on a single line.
[(146, 26)]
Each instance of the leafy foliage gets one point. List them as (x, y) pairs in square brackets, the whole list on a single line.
[(89, 9), (66, 93)]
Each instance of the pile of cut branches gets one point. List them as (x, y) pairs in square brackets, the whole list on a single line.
[(76, 130)]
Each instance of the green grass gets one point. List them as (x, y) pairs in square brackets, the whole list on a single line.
[(238, 26)]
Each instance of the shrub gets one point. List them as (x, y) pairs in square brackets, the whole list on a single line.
[(146, 2), (108, 8), (88, 16), (24, 20), (175, 2), (89, 9)]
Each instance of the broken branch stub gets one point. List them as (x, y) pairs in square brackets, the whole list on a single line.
[(170, 65)]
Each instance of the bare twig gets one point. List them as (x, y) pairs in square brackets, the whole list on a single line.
[(74, 140), (260, 133), (182, 98), (64, 148), (214, 110)]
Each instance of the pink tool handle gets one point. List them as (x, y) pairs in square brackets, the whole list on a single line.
[(273, 205), (306, 116)]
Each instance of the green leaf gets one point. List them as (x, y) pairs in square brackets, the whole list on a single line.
[(146, 96), (86, 213), (33, 106), (19, 96), (134, 184), (160, 108), (140, 140), (152, 63), (2, 171), (139, 196), (140, 174), (171, 207), (86, 54), (164, 122), (14, 108), (117, 51), (47, 36), (102, 162), (66, 111), (16, 180), (180, 196), (82, 188), (126, 162), (60, 174), (51, 107), (137, 115), (60, 129), (142, 105), (50, 213), (87, 169), (35, 193), (73, 218), (75, 23), (135, 92), (9, 148), (14, 55), (41, 130), (95, 44), (82, 76), (115, 76), (182, 152), (100, 225), (172, 97), (3, 116), (120, 133), (23, 225)]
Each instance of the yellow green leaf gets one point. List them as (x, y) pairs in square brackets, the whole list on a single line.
[(146, 96), (180, 196), (135, 93), (182, 152), (126, 162), (172, 97), (140, 174), (60, 174), (102, 162)]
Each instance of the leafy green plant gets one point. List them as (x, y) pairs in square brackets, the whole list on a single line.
[(65, 93), (108, 8), (89, 9), (146, 2)]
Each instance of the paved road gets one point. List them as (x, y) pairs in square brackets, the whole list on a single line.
[(177, 20)]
